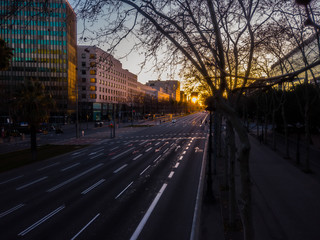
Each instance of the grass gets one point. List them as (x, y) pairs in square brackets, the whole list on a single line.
[(17, 159)]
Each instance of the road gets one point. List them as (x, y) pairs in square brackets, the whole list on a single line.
[(141, 185)]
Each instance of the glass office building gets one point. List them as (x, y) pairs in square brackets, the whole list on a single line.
[(42, 34)]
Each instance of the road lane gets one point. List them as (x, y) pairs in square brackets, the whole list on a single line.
[(88, 186)]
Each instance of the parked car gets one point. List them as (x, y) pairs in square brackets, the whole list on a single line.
[(98, 124), (174, 120)]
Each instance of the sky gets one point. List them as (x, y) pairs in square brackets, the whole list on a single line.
[(132, 61)]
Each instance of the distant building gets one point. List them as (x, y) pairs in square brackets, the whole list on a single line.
[(170, 87), (183, 97), (43, 37), (103, 83), (294, 61)]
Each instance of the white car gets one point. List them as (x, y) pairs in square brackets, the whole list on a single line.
[(174, 120)]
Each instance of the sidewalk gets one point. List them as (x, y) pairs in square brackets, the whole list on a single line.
[(285, 199)]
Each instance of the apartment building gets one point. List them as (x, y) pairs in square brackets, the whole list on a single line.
[(42, 35), (170, 87), (103, 84)]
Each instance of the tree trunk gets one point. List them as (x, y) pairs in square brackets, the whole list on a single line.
[(307, 136), (274, 130), (232, 155), (33, 142), (285, 128), (226, 157), (244, 153), (209, 191), (265, 139)]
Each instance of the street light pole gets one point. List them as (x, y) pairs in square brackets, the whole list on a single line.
[(77, 111)]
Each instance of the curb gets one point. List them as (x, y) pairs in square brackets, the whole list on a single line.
[(198, 206)]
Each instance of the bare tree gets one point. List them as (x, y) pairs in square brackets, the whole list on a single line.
[(217, 39)]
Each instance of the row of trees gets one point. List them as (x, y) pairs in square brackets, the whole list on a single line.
[(294, 112), (225, 46)]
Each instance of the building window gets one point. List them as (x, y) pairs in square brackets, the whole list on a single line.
[(93, 64), (92, 56), (93, 96), (84, 80), (93, 72), (83, 96), (84, 72), (83, 88), (93, 88), (83, 64), (83, 55), (93, 80)]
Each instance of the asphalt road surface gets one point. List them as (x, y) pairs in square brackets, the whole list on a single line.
[(141, 185)]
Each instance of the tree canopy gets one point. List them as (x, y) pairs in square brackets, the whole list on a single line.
[(5, 55)]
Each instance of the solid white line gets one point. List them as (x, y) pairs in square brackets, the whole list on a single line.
[(122, 153), (171, 174), (64, 169), (123, 190), (93, 186), (143, 142), (137, 157), (75, 236), (157, 159), (184, 152), (76, 153), (157, 143), (187, 148), (11, 210), (114, 148), (31, 183), (54, 164), (166, 150), (11, 179), (98, 150), (74, 178), (120, 168), (145, 170), (148, 213), (180, 158), (177, 165), (42, 220), (197, 209), (96, 156), (148, 149)]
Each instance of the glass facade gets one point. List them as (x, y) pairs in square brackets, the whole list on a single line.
[(306, 54), (42, 35)]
